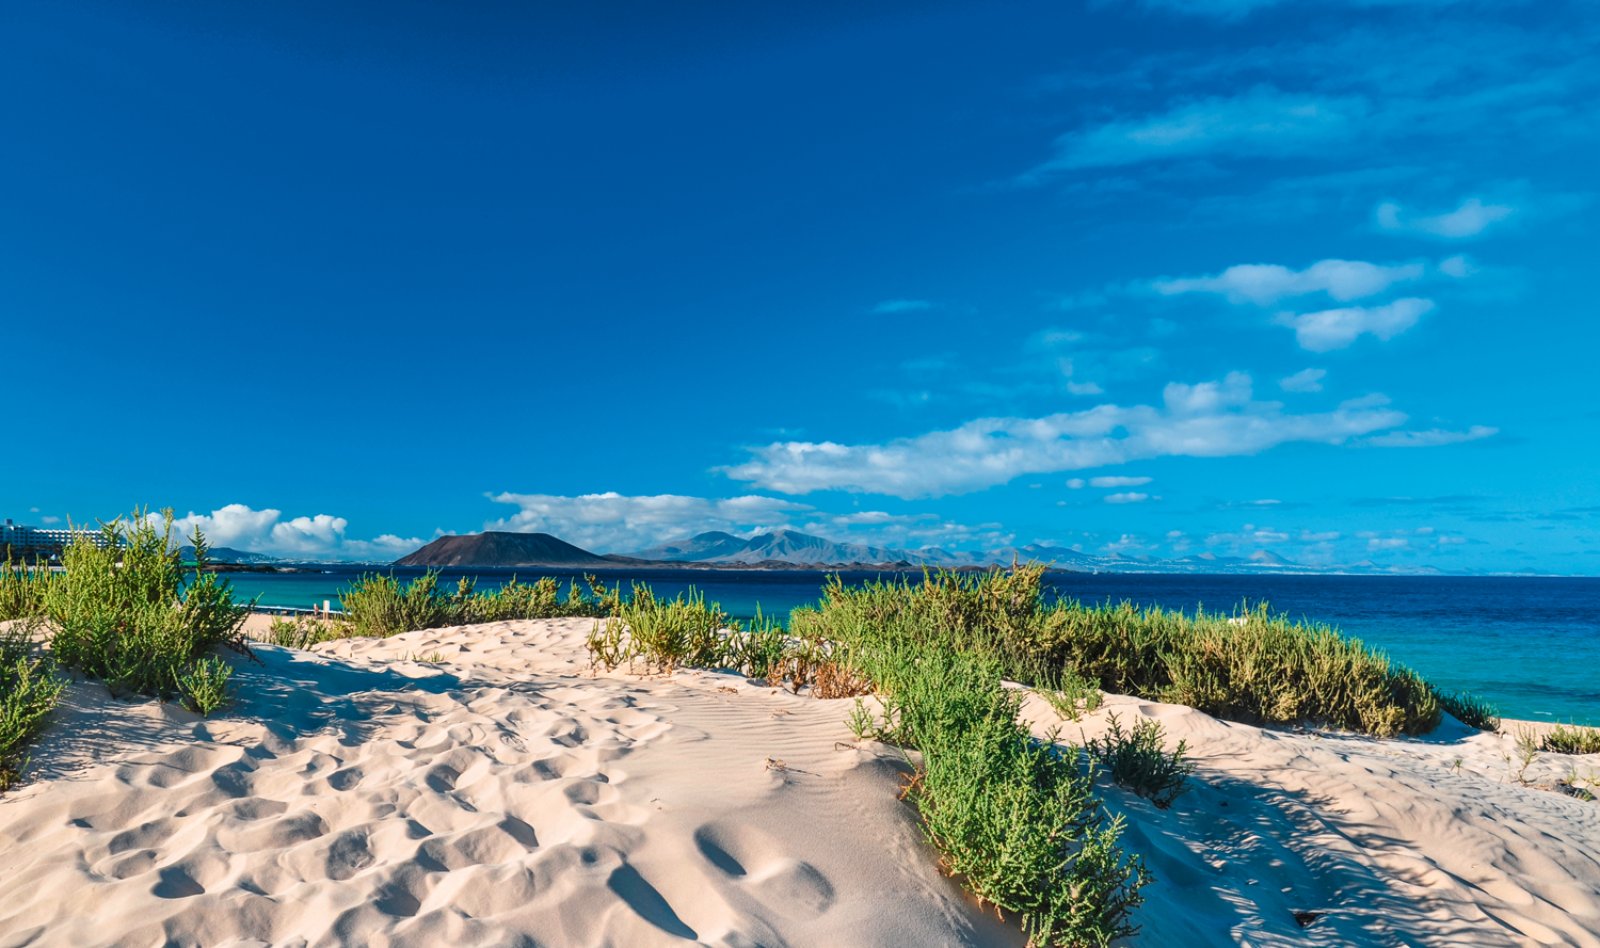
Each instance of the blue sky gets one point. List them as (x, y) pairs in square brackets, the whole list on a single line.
[(1155, 278)]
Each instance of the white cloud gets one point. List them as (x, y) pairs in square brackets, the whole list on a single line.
[(1119, 481), (1431, 438), (1211, 419), (1470, 219), (1267, 283), (1330, 329), (891, 307), (1085, 388), (1305, 380), (1263, 122), (1388, 543), (1076, 483), (613, 522), (320, 536), (1234, 9), (1127, 497), (1207, 397)]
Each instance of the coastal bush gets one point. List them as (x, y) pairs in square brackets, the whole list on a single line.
[(29, 691), (1068, 692), (121, 610), (1014, 818), (23, 588), (302, 632), (1571, 740), (204, 686), (380, 605), (1471, 710), (1138, 760), (684, 630), (1254, 666)]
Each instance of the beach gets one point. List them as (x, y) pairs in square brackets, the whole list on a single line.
[(483, 784)]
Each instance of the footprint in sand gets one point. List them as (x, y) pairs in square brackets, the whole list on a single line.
[(757, 860)]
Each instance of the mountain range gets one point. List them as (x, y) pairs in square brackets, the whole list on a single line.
[(791, 549)]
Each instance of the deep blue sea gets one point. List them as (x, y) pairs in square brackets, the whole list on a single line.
[(1529, 644)]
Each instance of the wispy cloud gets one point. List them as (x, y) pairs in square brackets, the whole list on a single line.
[(1330, 329), (1235, 9), (1209, 419), (1431, 438), (1263, 122), (1266, 283), (1119, 481), (1305, 380), (614, 522), (1470, 219), (1127, 497), (893, 307)]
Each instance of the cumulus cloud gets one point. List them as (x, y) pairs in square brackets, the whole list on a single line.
[(1305, 380), (1470, 219), (1268, 283), (1262, 122), (1127, 497), (320, 536), (1330, 329), (1430, 438), (1209, 419)]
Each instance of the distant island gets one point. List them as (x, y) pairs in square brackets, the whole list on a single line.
[(791, 549)]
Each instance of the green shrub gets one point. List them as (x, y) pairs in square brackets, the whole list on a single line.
[(1471, 710), (760, 650), (1069, 693), (666, 634), (1256, 666), (1572, 740), (302, 632), (1016, 819), (121, 611), (204, 686), (23, 589), (29, 691), (1138, 760), (380, 605)]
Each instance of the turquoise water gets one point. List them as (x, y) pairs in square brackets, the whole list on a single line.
[(1529, 644)]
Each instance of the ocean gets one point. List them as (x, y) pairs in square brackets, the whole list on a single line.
[(1529, 644)]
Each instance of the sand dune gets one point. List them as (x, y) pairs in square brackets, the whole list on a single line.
[(500, 794)]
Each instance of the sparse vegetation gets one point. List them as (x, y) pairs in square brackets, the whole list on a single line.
[(29, 691), (23, 589), (380, 605), (302, 631), (1015, 818), (1471, 710), (1564, 739), (1138, 760), (1259, 668), (122, 612), (204, 686), (1527, 749), (1069, 693)]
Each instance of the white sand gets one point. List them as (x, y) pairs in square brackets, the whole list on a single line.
[(504, 796)]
